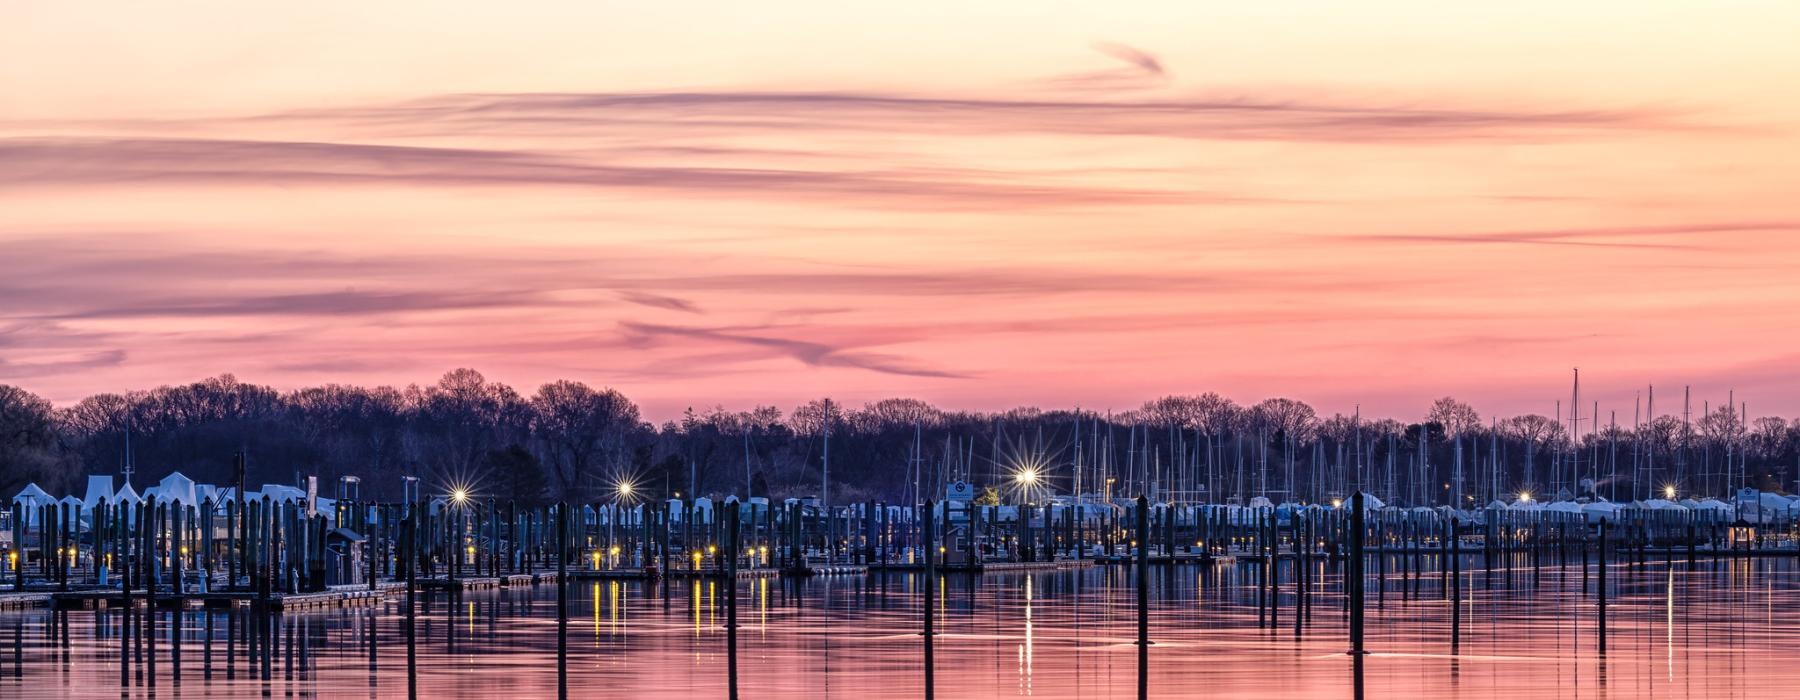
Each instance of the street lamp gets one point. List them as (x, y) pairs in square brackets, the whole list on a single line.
[(1669, 492)]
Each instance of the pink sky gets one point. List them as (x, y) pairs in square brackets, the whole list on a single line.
[(1372, 203)]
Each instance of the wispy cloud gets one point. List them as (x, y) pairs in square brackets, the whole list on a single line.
[(660, 302), (101, 276), (1615, 236), (1226, 118), (95, 360), (1141, 70), (813, 353), (339, 365), (41, 334), (65, 162), (338, 303)]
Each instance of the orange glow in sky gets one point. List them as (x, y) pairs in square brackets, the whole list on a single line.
[(978, 204)]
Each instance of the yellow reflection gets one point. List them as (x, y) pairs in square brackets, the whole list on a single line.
[(1026, 650), (612, 606), (1669, 622)]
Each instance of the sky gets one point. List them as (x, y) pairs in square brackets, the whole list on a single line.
[(1360, 204)]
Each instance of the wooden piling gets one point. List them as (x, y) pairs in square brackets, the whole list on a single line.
[(1353, 573), (1143, 595), (733, 551), (1600, 586), (562, 600), (930, 551)]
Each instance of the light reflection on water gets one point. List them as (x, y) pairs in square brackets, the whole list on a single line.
[(1717, 629)]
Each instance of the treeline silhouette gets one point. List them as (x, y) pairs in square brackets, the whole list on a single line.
[(572, 441)]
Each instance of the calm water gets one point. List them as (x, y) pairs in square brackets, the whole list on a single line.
[(1727, 630)]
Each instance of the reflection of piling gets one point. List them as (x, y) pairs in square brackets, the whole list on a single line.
[(1353, 574), (562, 601), (1298, 521), (125, 618), (1455, 546), (1143, 595), (930, 550), (1272, 572), (1600, 583), (147, 524), (409, 544), (732, 551), (1143, 571)]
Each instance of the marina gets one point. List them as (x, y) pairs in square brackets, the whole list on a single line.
[(323, 597)]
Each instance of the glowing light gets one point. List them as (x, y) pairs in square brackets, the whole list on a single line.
[(1337, 502), (712, 549), (1524, 496), (614, 551), (626, 489), (459, 496), (1669, 492), (1027, 476)]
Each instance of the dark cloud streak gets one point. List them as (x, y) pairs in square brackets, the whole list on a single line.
[(90, 361), (812, 353), (1204, 118), (659, 301), (46, 162), (1604, 237)]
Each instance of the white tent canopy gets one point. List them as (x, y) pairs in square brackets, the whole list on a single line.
[(28, 500), (176, 488), (1601, 510), (277, 492), (31, 495), (99, 487)]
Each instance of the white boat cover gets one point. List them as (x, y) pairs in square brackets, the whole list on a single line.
[(99, 487)]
